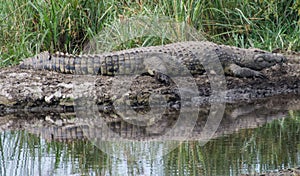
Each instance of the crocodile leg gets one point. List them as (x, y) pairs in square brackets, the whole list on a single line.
[(243, 72)]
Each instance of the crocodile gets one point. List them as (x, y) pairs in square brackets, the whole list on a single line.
[(237, 62)]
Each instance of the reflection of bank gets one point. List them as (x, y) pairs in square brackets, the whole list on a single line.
[(169, 65), (237, 117)]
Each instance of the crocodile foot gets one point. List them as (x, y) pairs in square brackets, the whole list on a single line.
[(244, 72)]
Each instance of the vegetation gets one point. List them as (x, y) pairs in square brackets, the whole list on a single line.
[(28, 27)]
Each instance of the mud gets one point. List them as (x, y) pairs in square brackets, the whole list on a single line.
[(40, 89)]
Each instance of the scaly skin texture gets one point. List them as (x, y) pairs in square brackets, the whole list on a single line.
[(235, 61)]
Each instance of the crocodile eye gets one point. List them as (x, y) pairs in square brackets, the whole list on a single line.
[(260, 59)]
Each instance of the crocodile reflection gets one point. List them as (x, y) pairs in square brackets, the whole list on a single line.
[(68, 127)]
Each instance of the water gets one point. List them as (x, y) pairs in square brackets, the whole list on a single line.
[(252, 138)]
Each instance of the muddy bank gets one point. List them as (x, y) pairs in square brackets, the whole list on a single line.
[(38, 89)]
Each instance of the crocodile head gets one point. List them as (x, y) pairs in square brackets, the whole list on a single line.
[(259, 59)]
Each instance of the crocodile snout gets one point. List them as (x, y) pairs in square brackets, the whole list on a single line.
[(280, 58)]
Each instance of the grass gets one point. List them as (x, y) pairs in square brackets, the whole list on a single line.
[(29, 27)]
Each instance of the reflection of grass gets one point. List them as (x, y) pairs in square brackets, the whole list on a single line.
[(187, 159), (26, 154), (81, 156), (295, 115), (273, 146), (17, 151), (32, 26)]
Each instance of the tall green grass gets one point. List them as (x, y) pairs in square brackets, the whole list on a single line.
[(28, 27)]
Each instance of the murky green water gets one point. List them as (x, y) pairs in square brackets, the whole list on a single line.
[(242, 146), (270, 147)]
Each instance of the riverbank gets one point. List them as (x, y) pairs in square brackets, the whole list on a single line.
[(40, 88)]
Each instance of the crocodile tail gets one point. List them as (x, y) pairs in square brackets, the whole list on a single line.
[(38, 62), (73, 64)]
